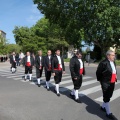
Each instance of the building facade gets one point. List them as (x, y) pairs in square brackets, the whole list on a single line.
[(3, 34)]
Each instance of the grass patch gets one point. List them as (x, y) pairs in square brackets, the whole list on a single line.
[(117, 62), (67, 60)]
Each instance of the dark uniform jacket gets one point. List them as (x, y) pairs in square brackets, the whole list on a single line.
[(31, 60), (12, 60), (55, 63), (37, 61), (46, 62), (75, 67), (104, 71)]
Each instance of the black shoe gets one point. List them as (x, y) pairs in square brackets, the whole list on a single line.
[(78, 100), (72, 96), (111, 116), (24, 79), (48, 89), (39, 85), (58, 94), (103, 109)]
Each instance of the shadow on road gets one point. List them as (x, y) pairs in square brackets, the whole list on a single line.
[(92, 107)]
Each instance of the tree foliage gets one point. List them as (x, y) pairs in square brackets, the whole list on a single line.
[(2, 45), (94, 21), (42, 35), (6, 48)]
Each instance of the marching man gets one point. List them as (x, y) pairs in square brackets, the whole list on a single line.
[(39, 62), (28, 62), (107, 76), (47, 65), (13, 62), (77, 70), (57, 69)]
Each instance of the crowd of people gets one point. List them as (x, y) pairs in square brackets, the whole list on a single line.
[(54, 65), (3, 58)]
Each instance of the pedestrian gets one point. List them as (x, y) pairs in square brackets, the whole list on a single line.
[(107, 76), (2, 58), (57, 69), (47, 65), (21, 56), (77, 70), (13, 62), (17, 60), (28, 62), (39, 63)]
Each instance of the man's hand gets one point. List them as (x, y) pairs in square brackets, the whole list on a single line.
[(63, 72), (75, 78), (53, 74)]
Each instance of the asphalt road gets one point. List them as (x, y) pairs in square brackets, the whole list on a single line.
[(21, 100)]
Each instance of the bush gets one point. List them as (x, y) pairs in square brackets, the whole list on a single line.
[(117, 62), (67, 60)]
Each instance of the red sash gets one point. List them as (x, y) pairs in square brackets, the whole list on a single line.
[(81, 71), (50, 67), (40, 67), (28, 64), (59, 68), (113, 78)]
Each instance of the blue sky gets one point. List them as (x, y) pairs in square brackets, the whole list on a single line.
[(17, 13)]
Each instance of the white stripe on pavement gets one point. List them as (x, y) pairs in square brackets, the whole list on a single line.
[(34, 76), (83, 84), (69, 81), (90, 90), (116, 94)]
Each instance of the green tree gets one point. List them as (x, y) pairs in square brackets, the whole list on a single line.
[(50, 34), (94, 21), (42, 35), (2, 45), (12, 47), (24, 37)]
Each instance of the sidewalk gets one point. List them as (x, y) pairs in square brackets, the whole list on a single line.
[(2, 64)]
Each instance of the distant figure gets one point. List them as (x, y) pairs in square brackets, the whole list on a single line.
[(33, 55), (2, 58), (13, 62), (6, 58), (21, 56), (17, 60)]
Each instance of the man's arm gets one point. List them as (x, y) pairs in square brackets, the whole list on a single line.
[(45, 63), (53, 65), (99, 71), (63, 65), (72, 70), (83, 68)]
